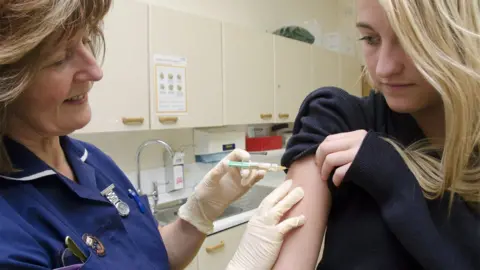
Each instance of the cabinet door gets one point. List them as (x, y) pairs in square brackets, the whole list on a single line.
[(193, 265), (292, 77), (119, 101), (350, 75), (248, 76), (325, 68), (198, 40), (218, 249)]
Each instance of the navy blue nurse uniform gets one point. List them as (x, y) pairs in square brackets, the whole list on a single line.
[(39, 208)]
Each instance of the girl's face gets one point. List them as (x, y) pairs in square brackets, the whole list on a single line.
[(391, 69)]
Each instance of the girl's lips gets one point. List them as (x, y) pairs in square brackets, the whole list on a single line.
[(398, 86)]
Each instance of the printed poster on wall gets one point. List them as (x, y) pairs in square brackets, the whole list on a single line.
[(332, 41), (171, 91)]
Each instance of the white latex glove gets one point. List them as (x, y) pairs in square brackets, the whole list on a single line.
[(219, 188), (263, 238)]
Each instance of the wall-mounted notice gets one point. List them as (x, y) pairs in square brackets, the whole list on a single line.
[(332, 41), (349, 46), (171, 91)]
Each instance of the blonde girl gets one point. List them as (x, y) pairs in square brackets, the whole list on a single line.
[(394, 178)]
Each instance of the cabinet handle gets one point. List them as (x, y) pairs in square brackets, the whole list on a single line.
[(283, 115), (266, 116), (214, 248), (132, 121), (172, 119)]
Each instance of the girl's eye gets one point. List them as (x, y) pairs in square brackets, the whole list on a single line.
[(370, 40)]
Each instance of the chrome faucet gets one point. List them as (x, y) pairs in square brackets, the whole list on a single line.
[(170, 151)]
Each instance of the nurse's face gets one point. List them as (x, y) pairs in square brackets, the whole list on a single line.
[(391, 69), (56, 103)]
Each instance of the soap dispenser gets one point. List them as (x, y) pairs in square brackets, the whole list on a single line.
[(175, 171)]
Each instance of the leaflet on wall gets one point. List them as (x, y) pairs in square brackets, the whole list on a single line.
[(332, 41), (349, 46), (171, 91)]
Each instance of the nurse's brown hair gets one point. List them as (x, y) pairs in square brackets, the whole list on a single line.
[(29, 29)]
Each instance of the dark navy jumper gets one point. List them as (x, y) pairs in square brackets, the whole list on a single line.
[(379, 217)]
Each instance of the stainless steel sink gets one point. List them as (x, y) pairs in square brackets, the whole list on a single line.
[(168, 212), (253, 197)]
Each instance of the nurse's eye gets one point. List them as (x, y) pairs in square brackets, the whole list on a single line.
[(371, 40), (86, 41), (59, 62), (62, 60)]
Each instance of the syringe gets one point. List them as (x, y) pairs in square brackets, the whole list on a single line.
[(270, 167)]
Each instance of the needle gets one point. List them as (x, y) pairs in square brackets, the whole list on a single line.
[(271, 167)]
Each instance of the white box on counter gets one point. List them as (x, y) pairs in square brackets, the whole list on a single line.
[(217, 140)]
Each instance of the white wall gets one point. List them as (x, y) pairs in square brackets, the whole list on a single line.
[(347, 18), (318, 16)]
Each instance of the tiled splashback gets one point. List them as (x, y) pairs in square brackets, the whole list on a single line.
[(122, 147), (194, 173)]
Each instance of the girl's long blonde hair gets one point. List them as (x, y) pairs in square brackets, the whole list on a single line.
[(443, 39), (28, 30)]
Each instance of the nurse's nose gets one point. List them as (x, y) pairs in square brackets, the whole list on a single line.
[(89, 70)]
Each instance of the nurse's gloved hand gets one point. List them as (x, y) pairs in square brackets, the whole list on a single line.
[(218, 189), (263, 238)]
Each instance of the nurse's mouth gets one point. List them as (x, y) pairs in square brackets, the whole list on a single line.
[(80, 99)]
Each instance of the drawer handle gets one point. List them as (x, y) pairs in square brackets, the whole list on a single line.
[(215, 248), (132, 121), (265, 116), (283, 115), (164, 120)]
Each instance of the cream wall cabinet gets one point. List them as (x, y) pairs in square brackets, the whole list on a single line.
[(234, 75), (119, 102), (198, 40), (193, 265), (325, 68), (350, 75), (218, 249), (292, 77), (248, 76)]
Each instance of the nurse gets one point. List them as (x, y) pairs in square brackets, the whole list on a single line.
[(65, 203)]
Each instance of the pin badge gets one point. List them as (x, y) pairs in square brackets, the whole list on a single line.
[(122, 208), (94, 243), (74, 249)]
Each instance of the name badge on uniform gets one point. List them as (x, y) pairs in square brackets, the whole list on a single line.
[(94, 243), (121, 206)]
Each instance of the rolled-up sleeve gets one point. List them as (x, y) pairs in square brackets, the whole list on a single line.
[(325, 111)]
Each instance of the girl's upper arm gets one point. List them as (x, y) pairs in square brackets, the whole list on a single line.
[(326, 111), (315, 206)]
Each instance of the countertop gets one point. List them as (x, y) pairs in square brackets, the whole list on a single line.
[(194, 174)]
